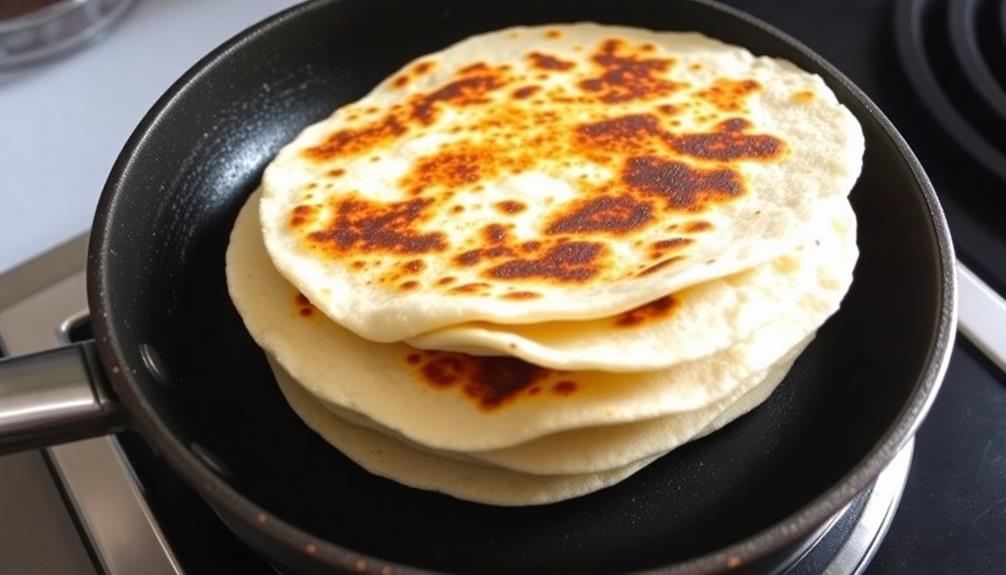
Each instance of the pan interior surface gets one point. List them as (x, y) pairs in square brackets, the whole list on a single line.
[(164, 287)]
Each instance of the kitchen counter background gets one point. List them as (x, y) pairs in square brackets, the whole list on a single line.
[(63, 121)]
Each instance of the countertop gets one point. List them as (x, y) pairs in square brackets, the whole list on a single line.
[(65, 120)]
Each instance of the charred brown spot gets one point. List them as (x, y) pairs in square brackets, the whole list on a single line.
[(667, 109), (444, 371), (564, 387), (671, 243), (566, 262), (472, 68), (729, 95), (457, 209), (627, 77), (446, 168), (733, 125), (423, 67), (413, 266), (494, 233), (356, 141), (409, 285), (655, 309), (363, 226), (553, 34), (548, 62), (660, 265), (659, 249), (697, 226), (521, 295), (727, 145), (470, 288), (400, 81), (304, 305), (469, 258), (446, 280), (680, 185), (525, 92), (610, 214), (473, 257), (624, 133), (488, 381), (463, 164), (465, 91), (301, 214), (336, 172), (414, 358), (510, 206)]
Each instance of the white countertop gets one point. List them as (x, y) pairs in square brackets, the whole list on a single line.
[(63, 122)]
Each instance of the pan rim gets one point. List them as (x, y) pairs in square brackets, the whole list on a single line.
[(280, 532)]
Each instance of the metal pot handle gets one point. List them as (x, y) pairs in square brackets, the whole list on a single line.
[(55, 396)]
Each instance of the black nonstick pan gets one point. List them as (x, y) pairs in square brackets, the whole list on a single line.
[(172, 359)]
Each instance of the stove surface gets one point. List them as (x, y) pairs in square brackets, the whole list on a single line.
[(952, 518)]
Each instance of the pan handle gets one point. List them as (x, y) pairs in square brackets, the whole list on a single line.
[(55, 396)]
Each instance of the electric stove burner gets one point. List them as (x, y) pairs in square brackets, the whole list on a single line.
[(954, 54), (1002, 26), (977, 51)]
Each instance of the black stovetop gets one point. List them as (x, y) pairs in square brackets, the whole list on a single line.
[(953, 514), (952, 517)]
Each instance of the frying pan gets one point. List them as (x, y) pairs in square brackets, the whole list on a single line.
[(171, 357)]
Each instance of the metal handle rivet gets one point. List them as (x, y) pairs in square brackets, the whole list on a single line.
[(212, 461), (155, 364)]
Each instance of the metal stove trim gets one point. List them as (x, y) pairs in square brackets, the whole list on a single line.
[(872, 525), (132, 542), (109, 504), (981, 315)]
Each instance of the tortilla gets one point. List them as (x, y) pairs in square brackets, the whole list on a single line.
[(686, 325), (386, 457), (603, 448), (456, 402), (566, 172)]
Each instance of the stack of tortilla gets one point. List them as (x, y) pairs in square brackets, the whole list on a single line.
[(526, 266)]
